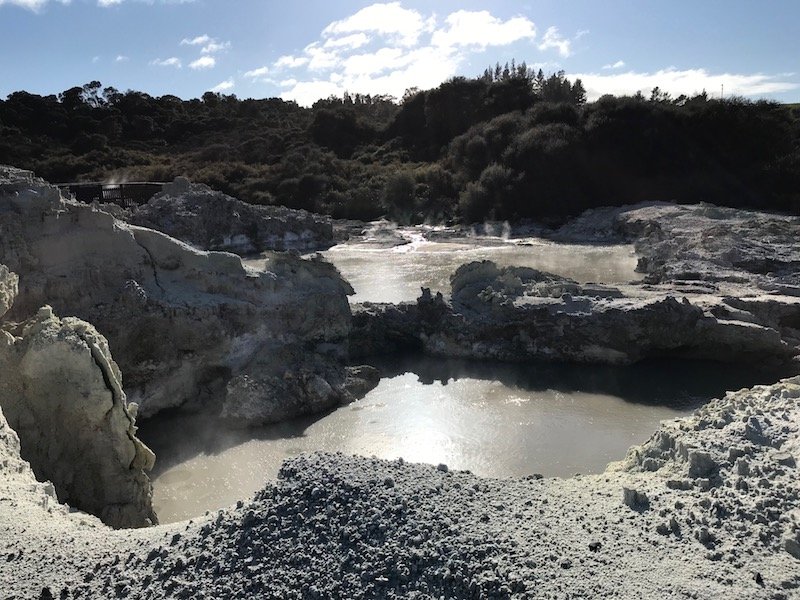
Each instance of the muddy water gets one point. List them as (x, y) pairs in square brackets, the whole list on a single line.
[(495, 420), (396, 274)]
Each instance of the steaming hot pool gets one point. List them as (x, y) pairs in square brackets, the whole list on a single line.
[(493, 419)]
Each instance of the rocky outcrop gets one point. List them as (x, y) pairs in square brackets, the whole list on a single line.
[(521, 314), (701, 243), (211, 220), (61, 391), (715, 244), (182, 322), (269, 392)]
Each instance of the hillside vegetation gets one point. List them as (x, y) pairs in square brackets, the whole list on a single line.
[(510, 144)]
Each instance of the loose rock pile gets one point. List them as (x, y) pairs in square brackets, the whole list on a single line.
[(659, 524)]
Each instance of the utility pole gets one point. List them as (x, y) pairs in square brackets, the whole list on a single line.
[(722, 91)]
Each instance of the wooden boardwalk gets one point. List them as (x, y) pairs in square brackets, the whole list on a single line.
[(123, 194)]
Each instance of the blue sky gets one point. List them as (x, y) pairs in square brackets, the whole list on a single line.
[(304, 50)]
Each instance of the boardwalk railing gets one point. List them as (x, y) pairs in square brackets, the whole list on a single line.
[(123, 194)]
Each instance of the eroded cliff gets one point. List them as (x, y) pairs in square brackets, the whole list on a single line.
[(182, 323)]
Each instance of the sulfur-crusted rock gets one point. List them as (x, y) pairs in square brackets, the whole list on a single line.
[(182, 322), (211, 220), (61, 391)]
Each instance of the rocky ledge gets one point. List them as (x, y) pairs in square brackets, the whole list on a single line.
[(701, 243), (211, 220), (719, 283), (707, 508), (186, 326), (521, 314)]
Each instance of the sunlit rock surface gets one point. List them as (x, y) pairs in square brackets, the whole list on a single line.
[(211, 220), (181, 322), (701, 243), (60, 390)]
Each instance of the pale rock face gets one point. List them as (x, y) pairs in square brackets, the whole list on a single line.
[(711, 244), (60, 390), (8, 289), (181, 322), (211, 220)]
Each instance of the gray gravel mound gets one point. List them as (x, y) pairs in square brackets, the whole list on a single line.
[(334, 526)]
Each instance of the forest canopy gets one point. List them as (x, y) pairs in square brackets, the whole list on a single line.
[(510, 144)]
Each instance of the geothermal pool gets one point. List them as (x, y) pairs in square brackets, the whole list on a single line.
[(495, 420), (396, 274)]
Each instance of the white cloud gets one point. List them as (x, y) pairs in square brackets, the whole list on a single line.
[(552, 39), (350, 42), (481, 29), (617, 65), (386, 49), (34, 5), (172, 61), (204, 62), (121, 58), (258, 73), (196, 41), (320, 59), (687, 81), (289, 61), (214, 46), (106, 3), (224, 86), (307, 92), (424, 67), (389, 19), (374, 62)]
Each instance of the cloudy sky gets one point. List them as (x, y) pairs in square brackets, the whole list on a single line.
[(304, 50)]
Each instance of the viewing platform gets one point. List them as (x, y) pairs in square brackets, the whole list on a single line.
[(123, 194)]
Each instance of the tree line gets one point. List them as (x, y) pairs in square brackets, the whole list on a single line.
[(512, 143)]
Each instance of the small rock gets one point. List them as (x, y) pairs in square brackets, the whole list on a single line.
[(784, 458), (674, 525), (595, 546), (701, 464), (743, 467), (635, 499), (792, 546)]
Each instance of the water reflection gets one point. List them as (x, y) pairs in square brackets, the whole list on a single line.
[(496, 420)]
